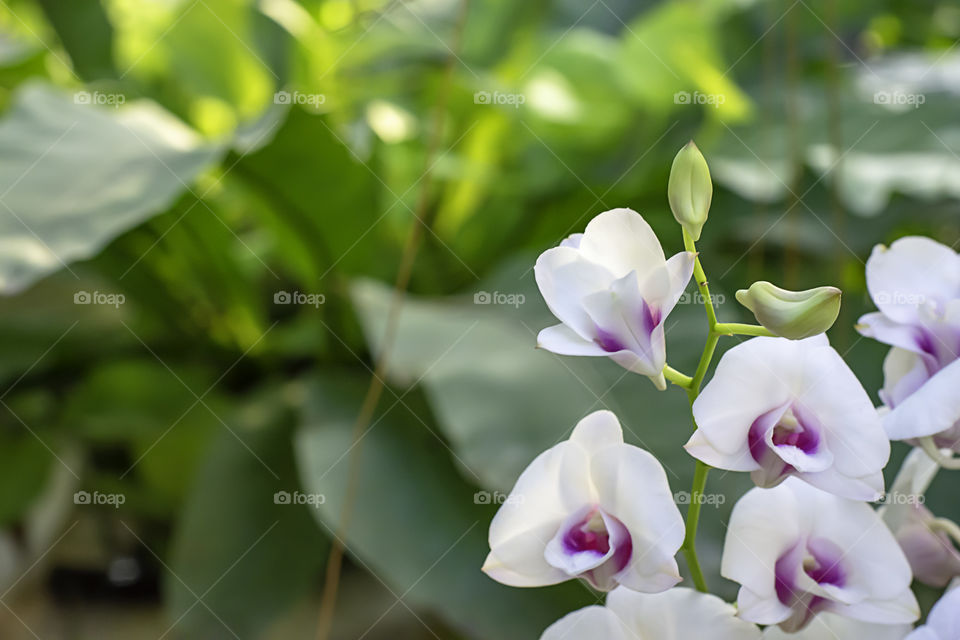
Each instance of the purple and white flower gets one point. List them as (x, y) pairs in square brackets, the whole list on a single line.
[(798, 551), (916, 286), (591, 507), (943, 623), (677, 614), (612, 288), (779, 408)]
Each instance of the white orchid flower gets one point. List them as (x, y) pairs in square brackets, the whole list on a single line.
[(943, 623), (677, 614), (612, 289), (591, 507), (916, 287), (829, 626), (932, 556), (779, 408), (797, 551)]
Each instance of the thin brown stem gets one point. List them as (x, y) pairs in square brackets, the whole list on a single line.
[(375, 389)]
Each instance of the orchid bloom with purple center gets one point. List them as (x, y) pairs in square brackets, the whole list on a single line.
[(915, 284), (779, 408), (943, 623), (798, 551), (677, 614), (612, 288), (591, 507)]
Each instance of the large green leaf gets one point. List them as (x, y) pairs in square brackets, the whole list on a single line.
[(85, 33), (248, 557), (414, 522), (76, 175)]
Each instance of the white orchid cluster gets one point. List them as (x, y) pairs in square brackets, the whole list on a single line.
[(812, 557)]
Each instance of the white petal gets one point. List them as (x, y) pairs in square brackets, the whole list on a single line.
[(764, 524), (633, 487), (622, 241), (664, 286), (563, 340), (902, 609), (588, 623), (866, 488), (744, 387), (879, 327), (913, 272), (932, 408), (830, 626), (903, 373), (853, 431), (597, 431), (679, 614), (554, 485), (944, 618), (701, 449), (565, 278)]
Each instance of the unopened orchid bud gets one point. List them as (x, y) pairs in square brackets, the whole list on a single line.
[(792, 314), (690, 189), (932, 556)]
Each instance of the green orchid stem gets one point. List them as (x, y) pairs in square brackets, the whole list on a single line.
[(693, 390), (738, 329), (676, 377)]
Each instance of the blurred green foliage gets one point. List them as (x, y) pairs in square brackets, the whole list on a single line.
[(231, 185)]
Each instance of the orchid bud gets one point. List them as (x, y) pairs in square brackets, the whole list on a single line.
[(690, 189), (792, 314)]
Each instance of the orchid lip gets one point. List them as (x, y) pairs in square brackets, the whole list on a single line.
[(591, 544)]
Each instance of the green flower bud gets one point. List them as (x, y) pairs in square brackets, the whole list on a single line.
[(690, 189), (792, 314)]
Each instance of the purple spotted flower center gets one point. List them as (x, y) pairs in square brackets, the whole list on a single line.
[(593, 545)]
